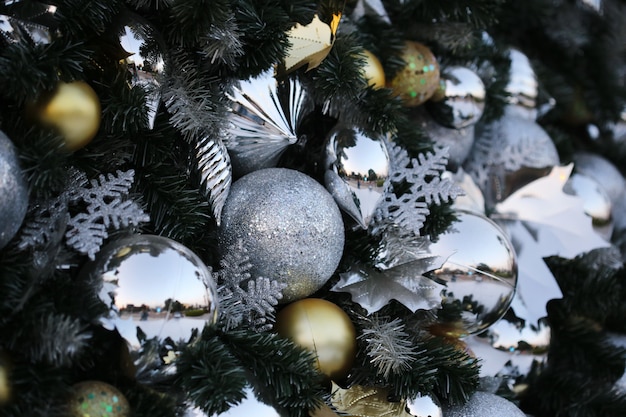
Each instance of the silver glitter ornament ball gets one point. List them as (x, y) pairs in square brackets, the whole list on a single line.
[(155, 284), (483, 404), (290, 226), (14, 191)]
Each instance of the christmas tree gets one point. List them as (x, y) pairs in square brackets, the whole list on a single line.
[(312, 208)]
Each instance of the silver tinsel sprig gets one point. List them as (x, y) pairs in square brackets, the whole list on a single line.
[(388, 345), (222, 44), (196, 113), (244, 298), (193, 106), (60, 339)]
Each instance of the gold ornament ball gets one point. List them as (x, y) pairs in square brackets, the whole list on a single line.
[(373, 70), (5, 383), (74, 110), (322, 328), (97, 399), (419, 79)]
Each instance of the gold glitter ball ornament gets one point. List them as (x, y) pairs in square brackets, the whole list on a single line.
[(97, 399), (373, 70), (73, 109), (419, 79), (322, 328)]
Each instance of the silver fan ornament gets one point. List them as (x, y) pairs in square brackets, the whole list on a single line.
[(462, 101), (154, 285), (14, 189), (264, 114), (480, 276), (35, 23), (358, 166), (145, 60)]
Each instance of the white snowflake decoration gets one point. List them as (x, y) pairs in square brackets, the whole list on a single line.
[(423, 175), (107, 206), (242, 297)]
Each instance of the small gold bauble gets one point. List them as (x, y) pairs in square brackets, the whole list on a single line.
[(97, 399), (5, 383), (74, 110), (373, 70), (322, 328), (419, 79)]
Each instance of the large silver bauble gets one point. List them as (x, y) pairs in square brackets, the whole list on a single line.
[(463, 100), (480, 275), (358, 167), (508, 154), (596, 202), (483, 404), (155, 284), (14, 191), (423, 406), (603, 172), (290, 226)]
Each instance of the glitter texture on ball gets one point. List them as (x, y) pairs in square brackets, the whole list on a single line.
[(290, 226)]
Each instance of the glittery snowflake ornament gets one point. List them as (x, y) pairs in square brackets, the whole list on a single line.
[(409, 210), (244, 298), (106, 205)]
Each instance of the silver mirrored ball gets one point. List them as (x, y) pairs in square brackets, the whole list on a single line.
[(423, 406), (361, 164), (480, 276), (14, 191), (155, 284), (463, 100)]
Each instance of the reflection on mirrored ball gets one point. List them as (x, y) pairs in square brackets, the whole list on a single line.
[(480, 275), (462, 100), (156, 284), (360, 166)]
